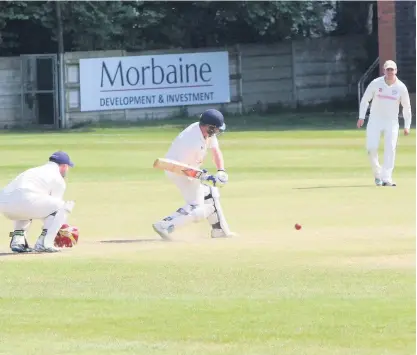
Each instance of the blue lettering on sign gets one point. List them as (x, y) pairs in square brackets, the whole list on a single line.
[(175, 73), (128, 100), (151, 99)]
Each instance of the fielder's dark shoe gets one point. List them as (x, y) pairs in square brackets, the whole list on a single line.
[(385, 183)]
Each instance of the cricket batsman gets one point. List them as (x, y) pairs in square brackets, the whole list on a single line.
[(387, 93), (37, 193), (201, 195)]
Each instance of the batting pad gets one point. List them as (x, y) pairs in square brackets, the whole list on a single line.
[(218, 215)]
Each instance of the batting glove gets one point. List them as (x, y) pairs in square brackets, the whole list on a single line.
[(204, 175), (210, 180), (222, 177)]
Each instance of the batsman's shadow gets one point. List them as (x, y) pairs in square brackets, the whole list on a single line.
[(331, 187), (130, 241)]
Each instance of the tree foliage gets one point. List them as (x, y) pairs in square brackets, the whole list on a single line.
[(31, 27), (359, 17), (198, 24)]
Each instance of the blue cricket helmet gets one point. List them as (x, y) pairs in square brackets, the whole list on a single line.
[(214, 118)]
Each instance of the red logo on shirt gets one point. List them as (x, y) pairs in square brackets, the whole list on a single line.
[(387, 97)]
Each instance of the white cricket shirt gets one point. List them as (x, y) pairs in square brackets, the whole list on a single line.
[(386, 100), (45, 179), (190, 146)]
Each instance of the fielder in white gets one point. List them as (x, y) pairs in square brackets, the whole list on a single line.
[(387, 93), (37, 193), (201, 196)]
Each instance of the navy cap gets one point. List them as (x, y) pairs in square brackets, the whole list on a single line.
[(61, 158)]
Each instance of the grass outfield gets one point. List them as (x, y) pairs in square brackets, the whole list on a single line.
[(343, 285)]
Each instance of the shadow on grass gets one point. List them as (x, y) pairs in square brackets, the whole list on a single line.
[(10, 253), (286, 121), (20, 254), (248, 123), (129, 241), (254, 122), (331, 187)]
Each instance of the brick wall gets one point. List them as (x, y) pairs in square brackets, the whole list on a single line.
[(386, 32), (397, 40)]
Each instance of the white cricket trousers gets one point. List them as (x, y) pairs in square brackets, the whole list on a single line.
[(21, 206), (374, 129), (195, 209), (192, 190)]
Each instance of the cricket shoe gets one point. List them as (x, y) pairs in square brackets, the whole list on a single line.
[(387, 183), (378, 182), (39, 248), (19, 244), (219, 233), (20, 248), (163, 231)]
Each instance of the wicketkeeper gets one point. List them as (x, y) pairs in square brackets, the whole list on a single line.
[(201, 196), (37, 193)]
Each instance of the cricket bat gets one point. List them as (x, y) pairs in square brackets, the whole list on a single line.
[(177, 168)]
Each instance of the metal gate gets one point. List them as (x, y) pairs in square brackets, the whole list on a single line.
[(39, 96)]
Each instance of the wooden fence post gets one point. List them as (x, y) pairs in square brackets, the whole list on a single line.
[(294, 75), (240, 79)]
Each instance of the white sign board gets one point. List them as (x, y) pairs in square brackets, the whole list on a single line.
[(120, 83)]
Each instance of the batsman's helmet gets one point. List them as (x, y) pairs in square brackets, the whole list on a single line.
[(213, 118)]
